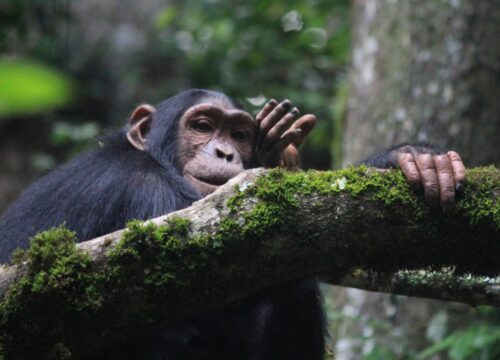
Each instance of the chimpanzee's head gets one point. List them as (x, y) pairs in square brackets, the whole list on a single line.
[(204, 134)]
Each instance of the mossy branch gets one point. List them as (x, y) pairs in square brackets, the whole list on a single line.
[(261, 230), (441, 284)]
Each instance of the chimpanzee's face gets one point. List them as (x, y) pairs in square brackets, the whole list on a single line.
[(214, 143)]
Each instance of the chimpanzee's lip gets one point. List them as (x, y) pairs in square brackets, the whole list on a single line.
[(212, 180), (207, 184)]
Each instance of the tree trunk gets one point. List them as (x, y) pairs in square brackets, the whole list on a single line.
[(422, 70), (425, 70)]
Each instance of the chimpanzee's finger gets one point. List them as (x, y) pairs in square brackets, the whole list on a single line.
[(288, 138), (407, 164), (305, 124), (270, 120), (279, 129), (290, 158), (266, 110), (446, 181), (427, 170), (458, 169)]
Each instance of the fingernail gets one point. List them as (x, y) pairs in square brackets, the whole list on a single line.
[(272, 102), (286, 103), (459, 187), (295, 111)]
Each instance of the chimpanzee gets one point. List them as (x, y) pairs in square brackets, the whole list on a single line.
[(169, 156)]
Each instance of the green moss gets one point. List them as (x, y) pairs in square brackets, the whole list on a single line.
[(274, 202), (59, 281), (56, 310), (146, 255), (389, 187), (269, 206), (19, 256), (480, 206), (278, 192), (236, 201)]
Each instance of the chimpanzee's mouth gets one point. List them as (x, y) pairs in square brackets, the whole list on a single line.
[(206, 185), (213, 180)]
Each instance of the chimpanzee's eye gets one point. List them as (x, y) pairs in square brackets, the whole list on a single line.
[(202, 126), (239, 135)]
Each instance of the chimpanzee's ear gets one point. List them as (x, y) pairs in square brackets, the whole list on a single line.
[(139, 124)]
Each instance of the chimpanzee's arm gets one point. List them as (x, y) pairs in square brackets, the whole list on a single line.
[(388, 158), (439, 173)]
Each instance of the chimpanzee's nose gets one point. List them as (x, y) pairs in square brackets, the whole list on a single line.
[(224, 152)]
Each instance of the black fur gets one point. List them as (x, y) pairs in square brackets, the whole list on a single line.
[(387, 158), (99, 191)]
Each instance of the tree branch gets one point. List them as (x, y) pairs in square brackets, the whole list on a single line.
[(261, 230), (442, 284)]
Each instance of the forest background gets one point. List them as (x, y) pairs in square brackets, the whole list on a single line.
[(71, 70)]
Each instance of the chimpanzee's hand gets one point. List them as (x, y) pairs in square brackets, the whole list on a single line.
[(279, 131), (439, 174)]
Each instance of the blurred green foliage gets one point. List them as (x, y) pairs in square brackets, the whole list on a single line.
[(479, 340), (265, 49), (252, 51), (476, 342), (448, 336), (27, 87)]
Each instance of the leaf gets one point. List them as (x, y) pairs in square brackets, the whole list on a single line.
[(28, 87)]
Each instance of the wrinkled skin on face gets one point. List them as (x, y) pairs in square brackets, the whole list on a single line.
[(216, 142)]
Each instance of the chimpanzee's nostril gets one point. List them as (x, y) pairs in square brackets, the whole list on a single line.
[(224, 155), (220, 153)]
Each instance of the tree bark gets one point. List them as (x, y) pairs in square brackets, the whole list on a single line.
[(421, 70), (443, 284), (425, 71)]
